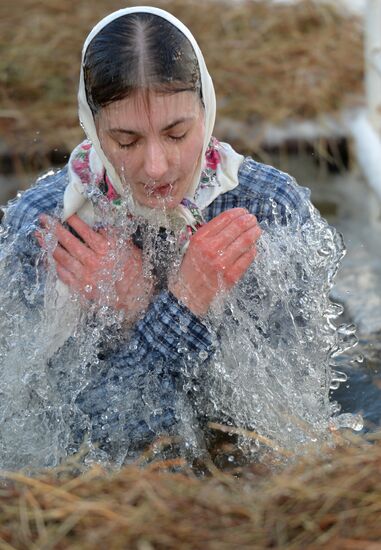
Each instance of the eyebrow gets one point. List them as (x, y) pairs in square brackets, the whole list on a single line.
[(134, 133)]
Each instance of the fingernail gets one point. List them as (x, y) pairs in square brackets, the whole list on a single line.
[(247, 217)]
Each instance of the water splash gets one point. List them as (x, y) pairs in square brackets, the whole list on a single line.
[(274, 334), (350, 421), (277, 337)]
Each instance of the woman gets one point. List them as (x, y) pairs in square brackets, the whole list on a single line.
[(143, 234)]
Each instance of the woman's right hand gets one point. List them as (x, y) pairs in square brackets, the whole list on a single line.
[(218, 255), (87, 265)]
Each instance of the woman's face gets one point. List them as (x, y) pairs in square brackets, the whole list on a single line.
[(154, 141)]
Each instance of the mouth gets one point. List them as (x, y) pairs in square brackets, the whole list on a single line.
[(162, 190)]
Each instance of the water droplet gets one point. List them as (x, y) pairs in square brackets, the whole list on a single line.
[(347, 420), (338, 376)]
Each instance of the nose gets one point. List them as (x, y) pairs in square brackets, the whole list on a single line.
[(156, 160)]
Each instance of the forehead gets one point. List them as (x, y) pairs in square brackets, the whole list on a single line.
[(144, 109)]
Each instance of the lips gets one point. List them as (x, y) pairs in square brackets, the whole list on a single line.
[(162, 190)]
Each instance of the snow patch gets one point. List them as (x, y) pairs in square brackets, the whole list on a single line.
[(368, 150)]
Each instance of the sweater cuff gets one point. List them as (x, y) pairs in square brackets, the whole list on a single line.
[(173, 330)]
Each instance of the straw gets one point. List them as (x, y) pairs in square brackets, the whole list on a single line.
[(327, 499)]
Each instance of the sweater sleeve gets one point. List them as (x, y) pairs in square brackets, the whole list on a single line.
[(169, 324), (20, 255), (268, 193), (137, 395)]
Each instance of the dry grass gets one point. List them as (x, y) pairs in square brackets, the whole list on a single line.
[(268, 64), (332, 501)]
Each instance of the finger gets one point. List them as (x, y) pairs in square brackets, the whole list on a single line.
[(135, 251), (233, 274), (110, 235), (68, 262), (68, 241), (67, 277), (218, 223), (109, 241), (237, 227), (105, 233), (240, 246), (131, 253), (40, 239), (95, 240)]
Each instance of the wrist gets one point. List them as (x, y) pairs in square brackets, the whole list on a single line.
[(183, 295)]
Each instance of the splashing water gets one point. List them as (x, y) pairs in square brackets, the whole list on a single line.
[(274, 336), (273, 370)]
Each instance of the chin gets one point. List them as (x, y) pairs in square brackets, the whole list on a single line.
[(163, 205), (159, 203)]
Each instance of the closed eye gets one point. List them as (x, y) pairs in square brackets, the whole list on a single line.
[(133, 143), (127, 145), (178, 138)]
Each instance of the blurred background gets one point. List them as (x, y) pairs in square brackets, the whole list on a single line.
[(298, 86)]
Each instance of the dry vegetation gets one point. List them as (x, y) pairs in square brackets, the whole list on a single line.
[(268, 64), (332, 501)]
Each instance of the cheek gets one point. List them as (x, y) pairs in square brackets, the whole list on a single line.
[(123, 163), (192, 152), (119, 160), (116, 158), (112, 152)]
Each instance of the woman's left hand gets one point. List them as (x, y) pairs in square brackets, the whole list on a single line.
[(97, 262)]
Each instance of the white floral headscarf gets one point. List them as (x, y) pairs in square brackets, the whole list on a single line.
[(75, 198)]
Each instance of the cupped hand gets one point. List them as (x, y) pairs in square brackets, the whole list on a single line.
[(99, 264), (218, 255)]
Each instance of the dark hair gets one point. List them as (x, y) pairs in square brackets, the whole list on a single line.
[(138, 51)]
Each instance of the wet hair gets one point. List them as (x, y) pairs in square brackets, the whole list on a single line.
[(139, 51)]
